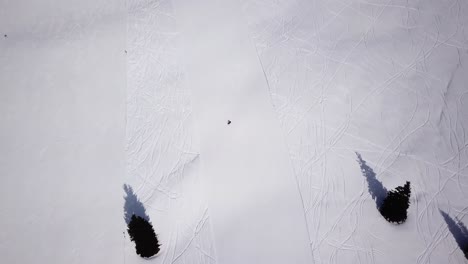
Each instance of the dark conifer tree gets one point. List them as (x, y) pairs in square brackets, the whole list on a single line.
[(463, 242), (462, 238), (142, 233), (396, 204), (464, 247)]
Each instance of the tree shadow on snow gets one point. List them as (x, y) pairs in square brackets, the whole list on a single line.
[(132, 205), (376, 189), (458, 230)]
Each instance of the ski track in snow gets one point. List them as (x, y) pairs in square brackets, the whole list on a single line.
[(343, 76), (349, 76), (162, 157)]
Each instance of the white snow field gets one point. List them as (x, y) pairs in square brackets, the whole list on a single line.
[(62, 136), (326, 99)]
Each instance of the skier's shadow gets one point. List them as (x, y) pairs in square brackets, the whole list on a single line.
[(376, 189), (132, 205), (458, 230)]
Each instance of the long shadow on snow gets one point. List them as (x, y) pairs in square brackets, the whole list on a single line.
[(376, 189), (459, 232), (132, 205)]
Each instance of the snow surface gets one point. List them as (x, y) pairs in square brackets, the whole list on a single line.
[(62, 115), (327, 99)]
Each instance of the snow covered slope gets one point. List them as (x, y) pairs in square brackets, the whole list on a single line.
[(383, 79), (163, 156), (251, 192), (62, 116), (324, 97), (387, 79)]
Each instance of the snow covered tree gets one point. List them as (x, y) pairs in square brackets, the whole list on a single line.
[(142, 233), (396, 204)]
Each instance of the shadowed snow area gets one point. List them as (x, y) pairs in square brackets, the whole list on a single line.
[(459, 232), (376, 189), (132, 205)]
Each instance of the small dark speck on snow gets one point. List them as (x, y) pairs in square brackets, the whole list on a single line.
[(229, 122)]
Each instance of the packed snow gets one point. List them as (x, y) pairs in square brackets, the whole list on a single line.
[(250, 131)]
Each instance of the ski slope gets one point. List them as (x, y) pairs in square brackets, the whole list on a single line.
[(387, 80), (327, 100)]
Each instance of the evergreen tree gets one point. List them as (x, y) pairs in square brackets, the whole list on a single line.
[(396, 204), (142, 233), (463, 243)]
